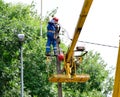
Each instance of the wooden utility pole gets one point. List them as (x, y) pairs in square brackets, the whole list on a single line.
[(58, 63)]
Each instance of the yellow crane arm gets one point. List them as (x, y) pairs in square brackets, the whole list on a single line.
[(116, 89), (81, 20)]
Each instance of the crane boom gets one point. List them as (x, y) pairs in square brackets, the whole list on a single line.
[(116, 89), (80, 23)]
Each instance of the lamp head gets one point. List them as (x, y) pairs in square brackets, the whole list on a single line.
[(21, 37)]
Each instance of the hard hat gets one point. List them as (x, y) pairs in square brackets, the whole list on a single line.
[(52, 21), (61, 57), (56, 19)]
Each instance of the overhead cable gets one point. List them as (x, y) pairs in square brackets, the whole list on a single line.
[(98, 44), (87, 41)]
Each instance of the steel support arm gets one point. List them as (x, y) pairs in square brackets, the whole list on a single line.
[(81, 20), (116, 89)]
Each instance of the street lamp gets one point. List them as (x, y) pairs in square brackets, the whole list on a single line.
[(41, 21), (21, 39)]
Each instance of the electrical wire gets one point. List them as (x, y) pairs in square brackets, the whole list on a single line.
[(68, 37), (98, 44)]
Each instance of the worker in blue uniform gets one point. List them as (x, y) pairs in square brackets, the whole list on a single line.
[(51, 28)]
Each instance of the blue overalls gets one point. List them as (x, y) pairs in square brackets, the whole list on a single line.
[(50, 38)]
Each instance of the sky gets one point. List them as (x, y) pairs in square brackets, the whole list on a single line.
[(101, 25)]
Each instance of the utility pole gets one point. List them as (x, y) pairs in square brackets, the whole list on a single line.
[(58, 63), (41, 20)]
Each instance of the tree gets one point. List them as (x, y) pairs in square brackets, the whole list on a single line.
[(13, 20), (93, 65), (35, 69)]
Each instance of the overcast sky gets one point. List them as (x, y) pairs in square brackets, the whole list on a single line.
[(101, 26)]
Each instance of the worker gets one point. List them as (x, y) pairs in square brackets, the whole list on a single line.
[(57, 27), (51, 39)]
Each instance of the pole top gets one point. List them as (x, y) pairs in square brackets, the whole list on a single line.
[(21, 37)]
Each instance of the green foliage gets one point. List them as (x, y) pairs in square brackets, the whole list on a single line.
[(8, 71), (93, 93), (99, 78), (13, 20), (35, 69)]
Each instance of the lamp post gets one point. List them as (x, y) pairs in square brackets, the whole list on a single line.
[(41, 20), (21, 39)]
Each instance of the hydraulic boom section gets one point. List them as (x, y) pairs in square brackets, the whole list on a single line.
[(80, 23), (116, 89)]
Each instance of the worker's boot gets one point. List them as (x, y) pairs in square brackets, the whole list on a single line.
[(47, 54)]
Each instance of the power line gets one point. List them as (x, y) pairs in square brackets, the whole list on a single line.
[(98, 44), (68, 37)]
